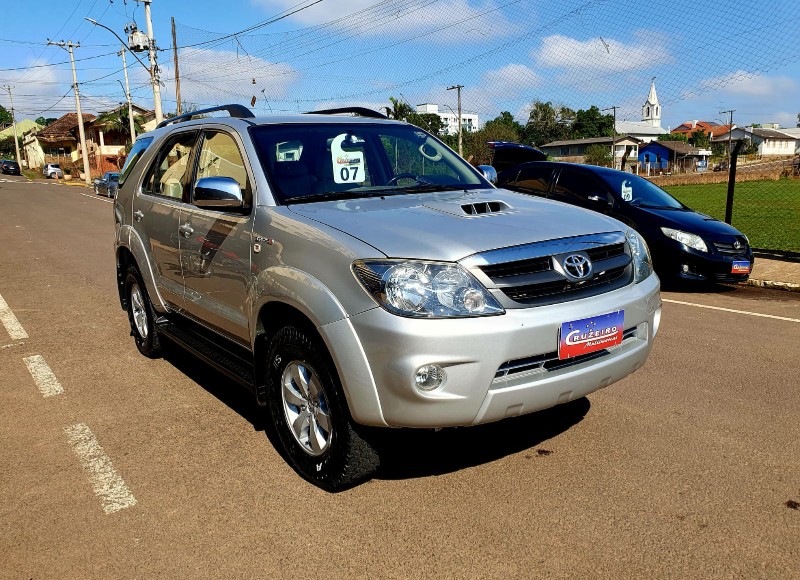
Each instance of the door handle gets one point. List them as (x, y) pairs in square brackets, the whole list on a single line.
[(186, 230), (138, 215)]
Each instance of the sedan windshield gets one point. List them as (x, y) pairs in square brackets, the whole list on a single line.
[(325, 161), (636, 190)]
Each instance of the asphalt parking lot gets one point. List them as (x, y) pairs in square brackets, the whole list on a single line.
[(117, 466)]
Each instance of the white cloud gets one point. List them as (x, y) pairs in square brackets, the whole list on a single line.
[(215, 76), (395, 18), (510, 79), (600, 54), (745, 84)]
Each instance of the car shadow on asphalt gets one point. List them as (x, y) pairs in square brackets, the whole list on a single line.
[(412, 453), (404, 453)]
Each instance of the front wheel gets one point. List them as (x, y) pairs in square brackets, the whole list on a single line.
[(141, 315), (310, 414)]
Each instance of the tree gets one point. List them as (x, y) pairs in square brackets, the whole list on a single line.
[(117, 120), (431, 122), (700, 139), (5, 116), (476, 151), (547, 123), (592, 123), (45, 122), (674, 137), (399, 110), (598, 155)]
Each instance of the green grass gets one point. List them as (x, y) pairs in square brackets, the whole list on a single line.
[(768, 212)]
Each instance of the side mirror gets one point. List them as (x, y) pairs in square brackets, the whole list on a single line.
[(489, 172), (218, 193)]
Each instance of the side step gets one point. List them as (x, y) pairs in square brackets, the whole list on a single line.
[(231, 364)]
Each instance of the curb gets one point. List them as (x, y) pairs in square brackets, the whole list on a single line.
[(786, 286)]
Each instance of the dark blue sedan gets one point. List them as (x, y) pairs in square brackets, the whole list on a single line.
[(685, 244)]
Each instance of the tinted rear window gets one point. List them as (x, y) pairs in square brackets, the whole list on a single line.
[(133, 157)]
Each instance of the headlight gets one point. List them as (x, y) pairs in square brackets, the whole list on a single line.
[(425, 289), (692, 240), (642, 264)]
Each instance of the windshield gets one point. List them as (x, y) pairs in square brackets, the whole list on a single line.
[(323, 161), (636, 190)]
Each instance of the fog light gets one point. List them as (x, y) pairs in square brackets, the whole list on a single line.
[(429, 377)]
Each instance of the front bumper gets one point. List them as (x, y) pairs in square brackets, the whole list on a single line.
[(477, 354), (689, 264)]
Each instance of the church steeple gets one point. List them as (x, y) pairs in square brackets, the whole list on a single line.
[(651, 110)]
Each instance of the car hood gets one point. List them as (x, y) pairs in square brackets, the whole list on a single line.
[(452, 225), (690, 221)]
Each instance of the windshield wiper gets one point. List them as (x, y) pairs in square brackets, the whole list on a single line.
[(431, 187), (330, 195)]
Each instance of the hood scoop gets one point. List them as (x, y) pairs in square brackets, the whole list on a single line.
[(475, 209)]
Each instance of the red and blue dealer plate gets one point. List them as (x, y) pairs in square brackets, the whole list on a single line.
[(590, 334), (740, 267)]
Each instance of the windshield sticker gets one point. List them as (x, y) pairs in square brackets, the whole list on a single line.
[(348, 166), (627, 191)]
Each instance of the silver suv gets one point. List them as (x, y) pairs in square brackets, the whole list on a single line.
[(353, 271)]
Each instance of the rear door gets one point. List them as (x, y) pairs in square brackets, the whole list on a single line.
[(157, 212), (215, 250)]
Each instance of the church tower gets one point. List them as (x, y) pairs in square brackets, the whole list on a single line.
[(651, 110)]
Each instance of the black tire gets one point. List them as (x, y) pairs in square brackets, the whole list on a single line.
[(141, 315), (345, 458)]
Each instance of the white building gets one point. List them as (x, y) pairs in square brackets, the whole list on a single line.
[(469, 121), (649, 128)]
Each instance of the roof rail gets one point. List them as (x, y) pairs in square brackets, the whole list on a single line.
[(234, 110), (360, 111)]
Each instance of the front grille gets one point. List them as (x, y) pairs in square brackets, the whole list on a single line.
[(729, 250), (564, 288), (550, 361), (533, 275)]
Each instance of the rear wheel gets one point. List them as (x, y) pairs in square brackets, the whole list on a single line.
[(141, 315), (310, 413)]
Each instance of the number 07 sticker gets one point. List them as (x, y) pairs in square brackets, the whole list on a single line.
[(348, 166)]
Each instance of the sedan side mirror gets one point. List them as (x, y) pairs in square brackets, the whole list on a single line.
[(218, 193), (489, 172)]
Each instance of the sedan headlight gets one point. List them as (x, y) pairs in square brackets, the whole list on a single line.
[(692, 240), (425, 289), (642, 264)]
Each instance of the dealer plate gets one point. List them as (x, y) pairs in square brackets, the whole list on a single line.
[(740, 267), (590, 334)]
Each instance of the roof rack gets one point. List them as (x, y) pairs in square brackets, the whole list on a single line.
[(234, 110), (360, 111)]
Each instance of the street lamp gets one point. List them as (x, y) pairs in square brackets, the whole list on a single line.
[(150, 71)]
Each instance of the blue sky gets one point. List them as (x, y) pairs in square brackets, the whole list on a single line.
[(740, 55)]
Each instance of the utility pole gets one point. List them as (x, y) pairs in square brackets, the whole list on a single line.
[(613, 136), (177, 74), (14, 123), (128, 95), (69, 48), (730, 133), (154, 76), (458, 88)]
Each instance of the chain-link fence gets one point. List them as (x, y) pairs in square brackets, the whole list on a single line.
[(766, 199)]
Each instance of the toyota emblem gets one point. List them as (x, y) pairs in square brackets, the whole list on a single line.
[(577, 267)]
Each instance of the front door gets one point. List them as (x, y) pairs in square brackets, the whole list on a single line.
[(157, 212), (215, 253)]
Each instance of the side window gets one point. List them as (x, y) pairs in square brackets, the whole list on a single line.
[(535, 179), (220, 157), (133, 157), (168, 174), (578, 186)]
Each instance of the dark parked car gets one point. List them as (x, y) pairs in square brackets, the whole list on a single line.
[(108, 184), (684, 244), (10, 167)]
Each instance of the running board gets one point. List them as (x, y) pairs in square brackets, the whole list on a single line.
[(214, 354)]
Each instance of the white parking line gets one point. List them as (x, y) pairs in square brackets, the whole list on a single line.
[(44, 378), (108, 485), (14, 328), (732, 310), (94, 197)]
